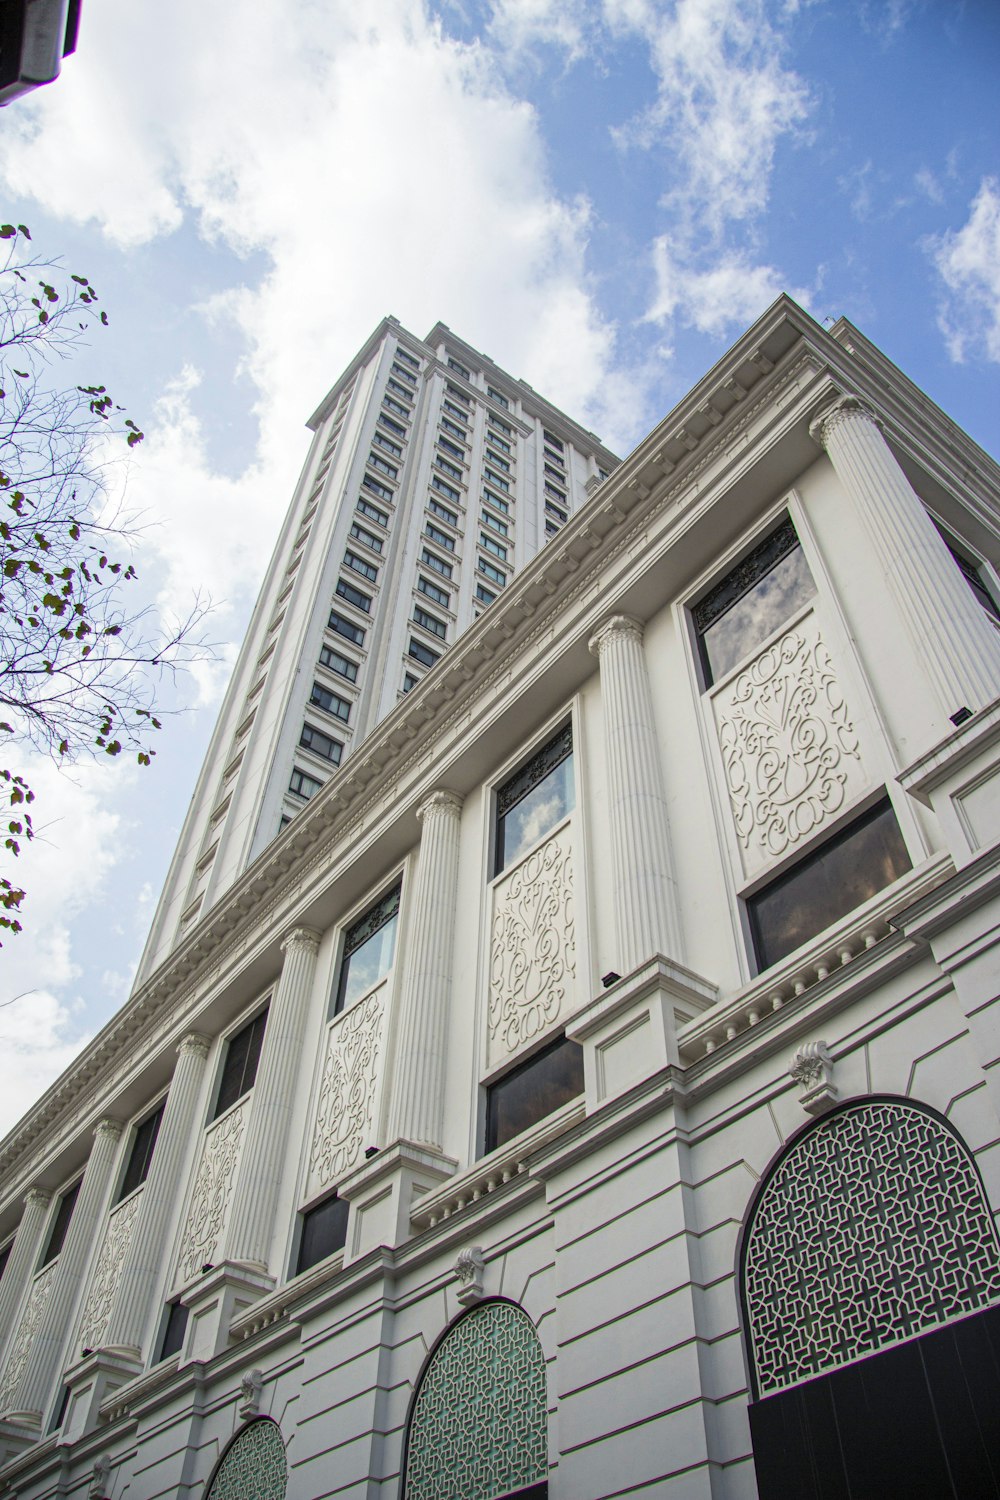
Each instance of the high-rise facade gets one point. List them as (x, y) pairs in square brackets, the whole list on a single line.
[(433, 476), (594, 1090)]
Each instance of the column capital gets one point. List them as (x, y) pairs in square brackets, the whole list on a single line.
[(37, 1198), (617, 628), (843, 409), (194, 1045), (440, 803), (305, 939), (108, 1129)]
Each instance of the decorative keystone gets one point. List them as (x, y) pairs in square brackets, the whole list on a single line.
[(250, 1389), (469, 1269), (812, 1067)]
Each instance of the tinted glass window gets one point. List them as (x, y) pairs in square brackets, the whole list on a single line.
[(240, 1067), (827, 884), (537, 1088), (752, 601), (141, 1154), (324, 1231), (535, 799), (173, 1334), (60, 1223), (369, 946)]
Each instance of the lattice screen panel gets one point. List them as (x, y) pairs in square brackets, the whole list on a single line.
[(254, 1466)]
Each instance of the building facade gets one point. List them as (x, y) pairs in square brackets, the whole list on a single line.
[(592, 1090)]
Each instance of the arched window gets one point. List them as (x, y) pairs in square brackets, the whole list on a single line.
[(478, 1423), (253, 1467), (872, 1228)]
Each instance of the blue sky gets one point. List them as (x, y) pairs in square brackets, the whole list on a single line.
[(600, 194)]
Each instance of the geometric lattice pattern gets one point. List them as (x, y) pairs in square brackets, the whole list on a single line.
[(479, 1421), (873, 1228), (254, 1466)]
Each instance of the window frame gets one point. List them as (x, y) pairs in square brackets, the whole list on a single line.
[(556, 730), (393, 888), (247, 1025), (153, 1115)]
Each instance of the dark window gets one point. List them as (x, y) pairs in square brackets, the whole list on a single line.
[(303, 785), (383, 466), (377, 487), (553, 489), (454, 429), (444, 488), (556, 511), (330, 702), (396, 427), (409, 682), (493, 546), (448, 467), (826, 884), (556, 473), (400, 390), (366, 538), (456, 411), (554, 442), (60, 1224), (499, 442), (408, 359), (495, 523), (372, 512), (437, 563), (447, 446), (494, 458), (496, 501), (459, 369), (972, 572), (381, 441), (360, 565), (406, 375), (354, 596), (484, 595), (496, 422), (337, 663), (369, 945), (498, 479), (346, 628), (440, 596), (429, 622), (321, 744), (534, 799), (324, 1231), (442, 512), (497, 396), (557, 459), (458, 395), (240, 1067), (141, 1154), (441, 537), (5, 1257), (396, 406), (752, 601), (174, 1330), (59, 1412), (490, 571), (537, 1088), (422, 653)]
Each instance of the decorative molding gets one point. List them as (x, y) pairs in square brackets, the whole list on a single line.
[(107, 1273), (789, 747), (20, 1346), (533, 948), (212, 1190), (345, 1113), (845, 409), (251, 1385), (469, 1269), (304, 939), (619, 627), (440, 803), (99, 1476), (812, 1067), (194, 1045)]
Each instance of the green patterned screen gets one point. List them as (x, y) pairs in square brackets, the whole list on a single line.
[(254, 1466), (478, 1428)]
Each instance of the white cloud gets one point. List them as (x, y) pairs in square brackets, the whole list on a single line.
[(520, 26), (968, 262), (732, 290), (37, 1042)]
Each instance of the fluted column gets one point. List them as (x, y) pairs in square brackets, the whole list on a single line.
[(22, 1260), (132, 1308), (43, 1365), (265, 1144), (954, 642), (422, 1039), (646, 913)]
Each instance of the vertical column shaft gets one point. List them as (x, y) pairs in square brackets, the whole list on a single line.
[(22, 1260), (957, 648), (44, 1363), (262, 1160), (132, 1309), (417, 1112), (646, 909)]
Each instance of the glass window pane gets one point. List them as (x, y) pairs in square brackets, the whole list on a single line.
[(240, 1067), (536, 1089), (826, 885), (324, 1231), (173, 1334), (141, 1154), (758, 612), (534, 799), (60, 1224), (369, 947)]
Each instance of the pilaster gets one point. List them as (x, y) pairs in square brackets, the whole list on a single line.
[(23, 1260)]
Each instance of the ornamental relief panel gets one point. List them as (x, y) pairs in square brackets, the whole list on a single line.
[(212, 1190), (346, 1109), (24, 1337), (789, 747), (97, 1310), (532, 948)]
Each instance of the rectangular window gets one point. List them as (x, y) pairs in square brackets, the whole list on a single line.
[(496, 421), (329, 702), (448, 468), (404, 374), (498, 397), (552, 489), (383, 465), (409, 682), (447, 446), (497, 525), (501, 463), (454, 429), (400, 390), (372, 512), (444, 488), (496, 502), (489, 571), (369, 948), (324, 1232), (442, 511), (499, 442), (437, 563), (386, 443), (753, 599), (346, 628), (441, 537), (826, 884), (396, 406), (440, 596), (395, 427), (553, 442), (555, 458), (141, 1154), (342, 665), (532, 1091), (174, 1329), (303, 785), (321, 744), (60, 1224), (453, 364), (407, 358), (492, 546), (555, 511), (484, 595), (456, 411), (360, 565), (421, 653), (551, 527), (366, 538), (974, 575), (382, 491), (534, 799), (429, 622), (453, 390), (491, 477), (5, 1257), (556, 473), (240, 1066), (354, 596)]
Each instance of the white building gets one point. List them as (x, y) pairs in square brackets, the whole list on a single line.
[(593, 1091)]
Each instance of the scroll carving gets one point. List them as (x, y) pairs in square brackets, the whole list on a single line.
[(106, 1276), (347, 1090), (23, 1339), (213, 1187), (789, 746), (533, 949)]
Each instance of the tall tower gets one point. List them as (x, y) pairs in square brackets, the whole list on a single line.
[(432, 478)]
